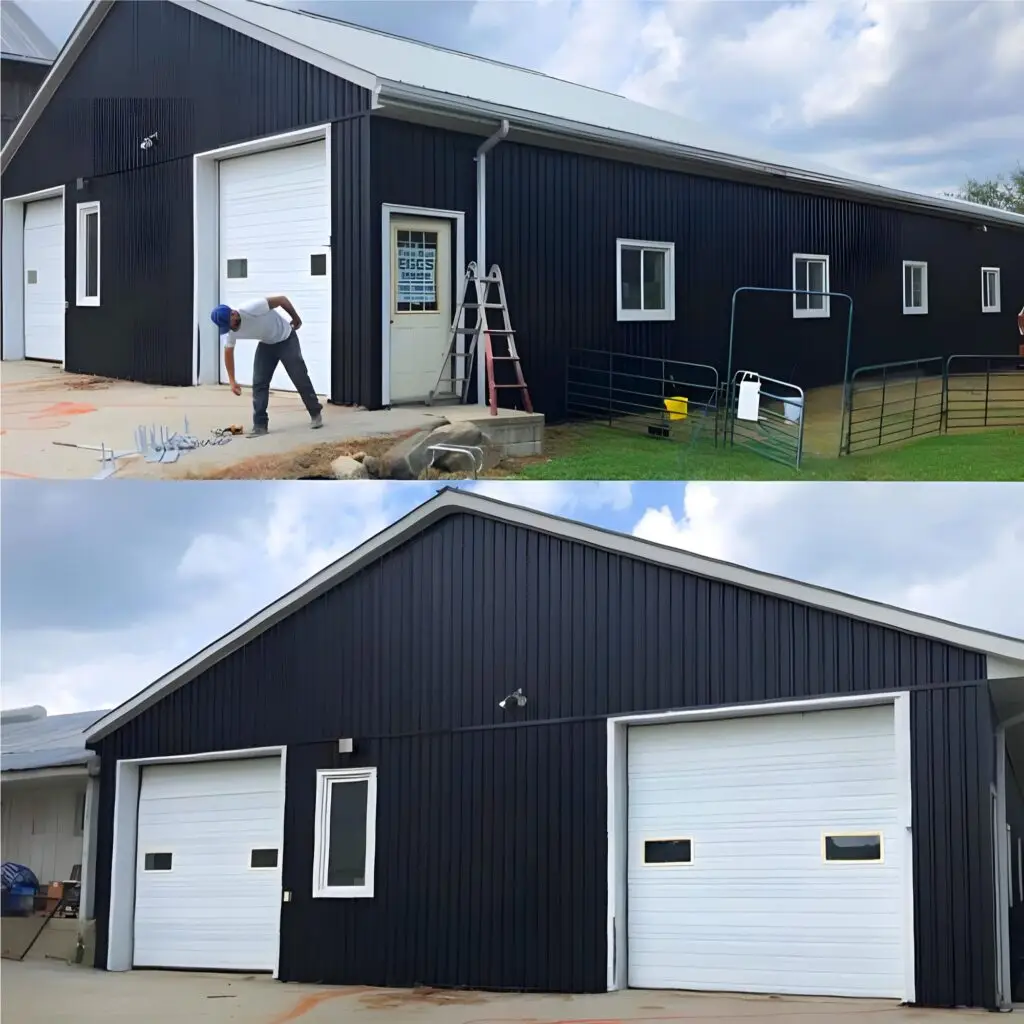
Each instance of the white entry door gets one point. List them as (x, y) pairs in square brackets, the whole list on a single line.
[(208, 872), (44, 280), (421, 314), (766, 855), (274, 235)]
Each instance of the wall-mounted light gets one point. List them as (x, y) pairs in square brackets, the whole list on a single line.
[(517, 697), (149, 141)]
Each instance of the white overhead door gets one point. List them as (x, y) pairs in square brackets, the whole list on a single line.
[(44, 280), (208, 873), (765, 855), (274, 235)]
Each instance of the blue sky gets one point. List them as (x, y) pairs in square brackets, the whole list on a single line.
[(911, 93), (104, 588)]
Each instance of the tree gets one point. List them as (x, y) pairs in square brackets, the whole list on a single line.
[(1003, 192)]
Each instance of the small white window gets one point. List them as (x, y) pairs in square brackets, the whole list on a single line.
[(344, 832), (87, 255), (991, 300), (915, 287), (810, 274), (646, 273)]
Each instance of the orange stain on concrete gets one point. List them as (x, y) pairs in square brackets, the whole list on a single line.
[(64, 409), (312, 1001)]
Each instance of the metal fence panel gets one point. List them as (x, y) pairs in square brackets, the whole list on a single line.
[(778, 431), (984, 391)]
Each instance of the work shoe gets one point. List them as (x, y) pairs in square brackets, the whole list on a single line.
[(258, 432), (316, 422)]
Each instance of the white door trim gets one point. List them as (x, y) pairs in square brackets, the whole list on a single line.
[(12, 228), (206, 238), (127, 777), (618, 729), (1003, 880), (387, 211)]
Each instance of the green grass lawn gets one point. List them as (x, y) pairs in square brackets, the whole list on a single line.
[(595, 452)]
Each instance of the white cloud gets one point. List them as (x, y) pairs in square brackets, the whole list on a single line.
[(559, 498)]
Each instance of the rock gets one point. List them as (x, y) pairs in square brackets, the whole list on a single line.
[(407, 460), (346, 468), (359, 456), (469, 435), (372, 466)]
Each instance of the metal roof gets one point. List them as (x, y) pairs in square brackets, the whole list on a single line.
[(403, 74), (51, 741), (21, 38), (453, 501)]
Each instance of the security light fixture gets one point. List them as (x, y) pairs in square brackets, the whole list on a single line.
[(149, 141), (517, 697)]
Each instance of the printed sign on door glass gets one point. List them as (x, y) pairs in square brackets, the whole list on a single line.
[(417, 269)]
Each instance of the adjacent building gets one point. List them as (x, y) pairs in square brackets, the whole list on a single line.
[(25, 59), (497, 749), (190, 152)]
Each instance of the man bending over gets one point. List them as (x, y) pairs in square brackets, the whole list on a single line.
[(278, 342)]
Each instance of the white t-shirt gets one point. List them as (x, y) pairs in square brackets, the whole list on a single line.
[(259, 323)]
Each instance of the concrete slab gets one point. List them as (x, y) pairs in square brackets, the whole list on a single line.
[(40, 404), (42, 993)]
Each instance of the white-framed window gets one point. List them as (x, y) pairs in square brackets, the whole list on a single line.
[(344, 832), (646, 277), (991, 299), (915, 287), (87, 255), (810, 274)]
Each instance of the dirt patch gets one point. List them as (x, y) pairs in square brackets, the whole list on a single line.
[(395, 998), (89, 383)]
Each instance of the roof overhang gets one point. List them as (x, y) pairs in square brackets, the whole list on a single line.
[(77, 771), (452, 501), (399, 95)]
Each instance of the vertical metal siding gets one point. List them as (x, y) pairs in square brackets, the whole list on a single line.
[(953, 754), (553, 218), (156, 67), (355, 364), (491, 839)]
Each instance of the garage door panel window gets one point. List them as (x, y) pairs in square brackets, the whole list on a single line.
[(158, 862), (318, 264), (31, 277), (862, 848), (345, 833), (262, 858), (237, 270), (87, 263), (810, 274), (646, 280), (668, 852)]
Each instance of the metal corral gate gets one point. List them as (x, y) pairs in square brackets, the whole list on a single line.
[(891, 402), (777, 429), (984, 391), (660, 397)]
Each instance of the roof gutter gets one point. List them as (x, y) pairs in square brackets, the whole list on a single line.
[(427, 99), (481, 229)]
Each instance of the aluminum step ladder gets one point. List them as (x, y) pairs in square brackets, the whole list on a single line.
[(499, 342)]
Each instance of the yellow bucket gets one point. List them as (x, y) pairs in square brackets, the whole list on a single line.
[(676, 408)]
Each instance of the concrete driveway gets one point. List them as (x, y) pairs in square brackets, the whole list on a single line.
[(50, 993)]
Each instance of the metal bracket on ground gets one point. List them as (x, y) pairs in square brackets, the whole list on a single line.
[(473, 452)]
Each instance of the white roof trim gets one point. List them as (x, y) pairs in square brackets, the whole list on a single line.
[(452, 501), (651, 130)]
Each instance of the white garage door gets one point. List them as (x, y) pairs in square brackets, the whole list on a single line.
[(753, 855), (208, 875), (274, 235), (44, 280)]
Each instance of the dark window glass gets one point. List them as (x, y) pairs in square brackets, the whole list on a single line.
[(318, 264), (158, 862), (263, 859), (632, 276), (866, 848), (238, 268), (668, 851), (92, 255), (31, 277), (346, 858), (654, 279)]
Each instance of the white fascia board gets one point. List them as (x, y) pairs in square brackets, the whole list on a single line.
[(402, 93), (235, 21), (453, 501), (77, 41), (78, 771)]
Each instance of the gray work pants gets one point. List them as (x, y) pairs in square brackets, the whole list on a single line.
[(289, 354)]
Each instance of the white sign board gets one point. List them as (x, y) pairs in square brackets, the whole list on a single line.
[(417, 274)]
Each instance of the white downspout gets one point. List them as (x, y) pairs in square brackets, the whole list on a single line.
[(481, 232)]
